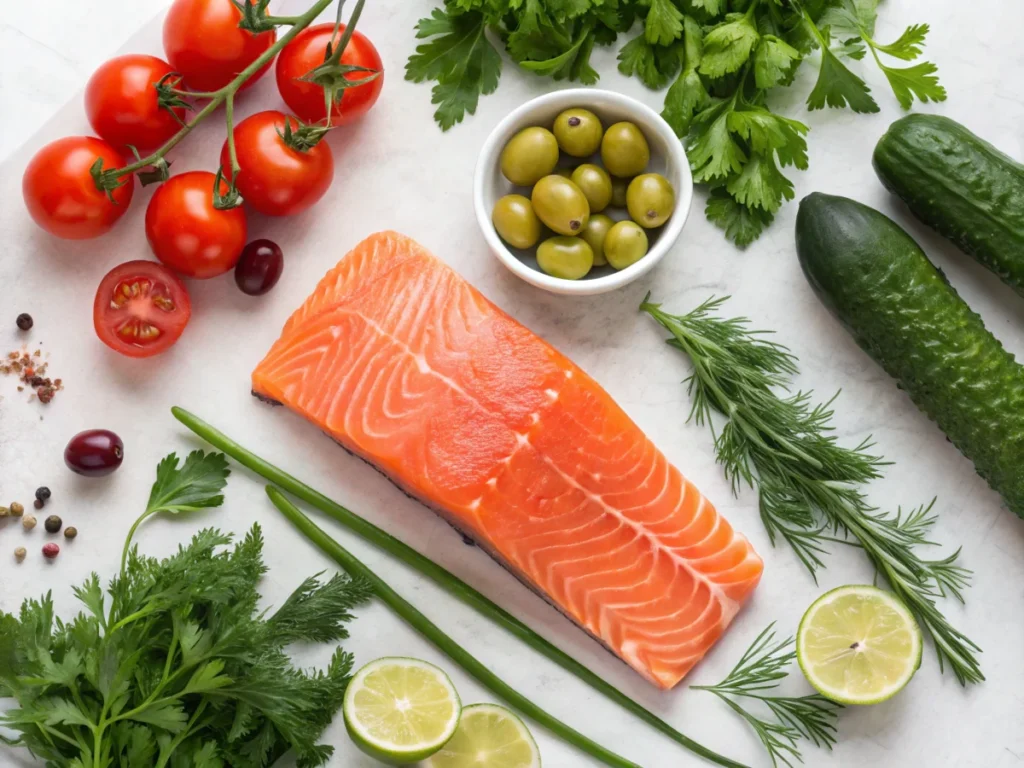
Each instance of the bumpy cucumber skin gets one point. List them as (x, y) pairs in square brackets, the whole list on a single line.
[(960, 186), (902, 311)]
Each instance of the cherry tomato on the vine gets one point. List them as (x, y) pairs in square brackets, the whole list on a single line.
[(141, 309), (122, 104), (307, 52), (186, 231), (276, 178), (203, 42), (61, 194)]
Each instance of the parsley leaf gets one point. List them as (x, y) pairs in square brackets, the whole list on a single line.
[(728, 45), (760, 184), (653, 65), (742, 225), (459, 58), (713, 152), (837, 86), (907, 46), (197, 485), (664, 23), (773, 62), (918, 80), (688, 94)]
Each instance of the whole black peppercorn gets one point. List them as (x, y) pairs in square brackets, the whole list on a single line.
[(43, 493), (37, 504), (24, 321), (53, 524)]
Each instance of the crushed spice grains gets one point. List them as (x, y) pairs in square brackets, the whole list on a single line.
[(31, 372)]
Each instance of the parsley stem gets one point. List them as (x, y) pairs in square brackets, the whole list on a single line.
[(414, 618), (440, 576)]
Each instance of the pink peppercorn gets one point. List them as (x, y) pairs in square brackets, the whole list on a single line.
[(50, 550)]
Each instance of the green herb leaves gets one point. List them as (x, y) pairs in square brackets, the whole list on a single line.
[(790, 718), (809, 487), (461, 61), (181, 670)]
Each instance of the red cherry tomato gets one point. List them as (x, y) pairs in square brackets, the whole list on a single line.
[(306, 52), (60, 192), (122, 105), (187, 233), (277, 179), (141, 308), (203, 42)]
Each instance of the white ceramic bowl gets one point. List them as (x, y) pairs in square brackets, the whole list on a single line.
[(667, 158)]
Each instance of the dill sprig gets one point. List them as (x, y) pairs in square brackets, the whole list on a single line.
[(761, 669), (809, 487)]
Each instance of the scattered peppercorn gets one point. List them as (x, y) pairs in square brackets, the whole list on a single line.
[(50, 551), (53, 524), (24, 321), (28, 522), (16, 509), (19, 554), (4, 511), (37, 504), (70, 532), (32, 374), (43, 493)]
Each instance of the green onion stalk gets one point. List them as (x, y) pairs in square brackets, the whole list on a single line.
[(442, 577)]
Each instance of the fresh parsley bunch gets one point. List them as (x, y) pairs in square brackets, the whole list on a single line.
[(175, 665), (722, 58)]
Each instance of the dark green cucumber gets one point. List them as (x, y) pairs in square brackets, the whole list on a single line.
[(960, 186), (903, 312)]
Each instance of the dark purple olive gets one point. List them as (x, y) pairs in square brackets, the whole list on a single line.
[(94, 453), (259, 267)]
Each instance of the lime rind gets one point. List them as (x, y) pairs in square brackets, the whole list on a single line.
[(875, 662), (521, 752), (388, 751)]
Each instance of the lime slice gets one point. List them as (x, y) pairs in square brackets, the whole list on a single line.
[(489, 736), (858, 645), (400, 711)]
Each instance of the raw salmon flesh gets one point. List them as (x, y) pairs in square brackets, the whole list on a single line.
[(405, 364)]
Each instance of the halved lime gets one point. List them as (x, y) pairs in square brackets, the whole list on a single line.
[(400, 711), (858, 645), (489, 736)]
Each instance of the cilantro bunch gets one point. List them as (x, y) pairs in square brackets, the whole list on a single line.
[(720, 58), (175, 665)]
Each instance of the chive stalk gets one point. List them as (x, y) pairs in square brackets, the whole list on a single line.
[(440, 576), (412, 616)]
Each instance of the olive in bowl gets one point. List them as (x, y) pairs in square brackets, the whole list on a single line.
[(665, 156)]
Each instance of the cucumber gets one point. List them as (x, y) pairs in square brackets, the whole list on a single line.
[(904, 313), (960, 186)]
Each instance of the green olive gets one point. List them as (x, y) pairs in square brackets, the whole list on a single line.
[(515, 221), (596, 185), (624, 150), (619, 187), (567, 257), (625, 244), (578, 132), (594, 233), (561, 205), (530, 156), (650, 200)]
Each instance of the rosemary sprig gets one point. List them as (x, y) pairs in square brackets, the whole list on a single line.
[(761, 669), (809, 487)]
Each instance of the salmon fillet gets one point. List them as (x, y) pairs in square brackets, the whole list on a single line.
[(405, 364)]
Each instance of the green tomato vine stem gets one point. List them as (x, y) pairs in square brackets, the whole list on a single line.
[(112, 177)]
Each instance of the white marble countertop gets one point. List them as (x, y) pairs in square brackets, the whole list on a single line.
[(396, 170)]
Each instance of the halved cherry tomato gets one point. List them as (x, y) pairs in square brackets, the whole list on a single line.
[(278, 179), (122, 104), (60, 192), (187, 233), (203, 42), (141, 309), (307, 52)]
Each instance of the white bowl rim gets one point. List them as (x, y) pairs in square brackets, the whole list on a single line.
[(486, 164)]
